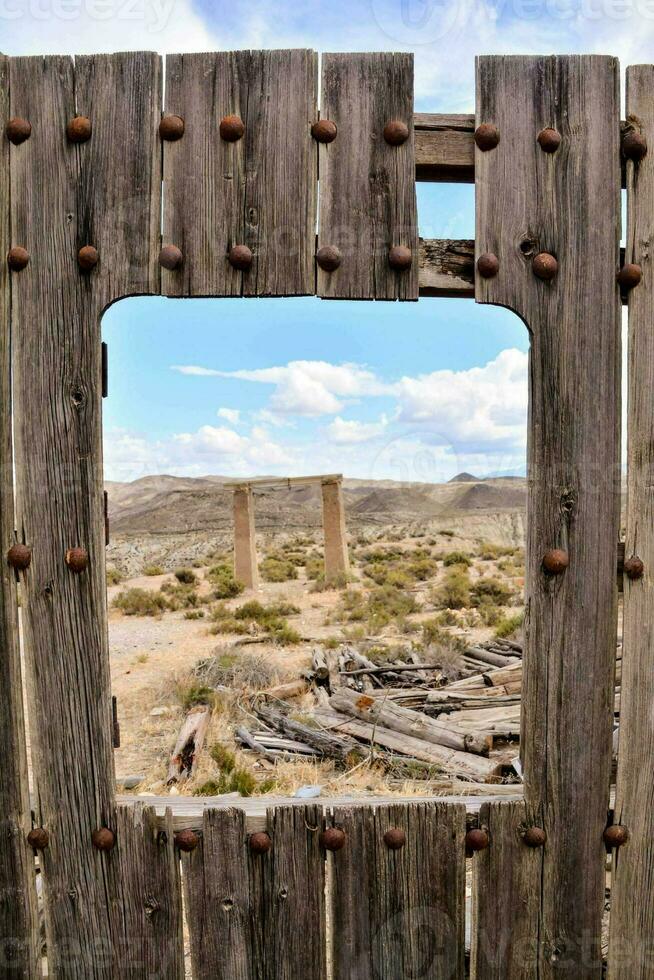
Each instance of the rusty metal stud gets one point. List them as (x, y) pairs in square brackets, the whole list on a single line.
[(634, 567), (38, 838), (476, 840), (324, 131), (545, 266), (630, 275), (332, 839), (534, 837), (186, 840), (19, 557), (615, 836), (634, 145), (77, 559), (400, 258), (171, 128), (549, 140), (487, 136), (240, 257), (87, 258), (394, 839), (231, 128), (103, 839), (79, 129), (488, 265), (18, 130), (17, 258), (328, 258), (396, 132), (555, 561), (170, 257), (260, 842)]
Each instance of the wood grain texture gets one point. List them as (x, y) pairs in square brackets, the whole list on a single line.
[(259, 191), (61, 194), (445, 147), (367, 188), (19, 937), (565, 203), (257, 915), (632, 914), (505, 898), (446, 268), (399, 913)]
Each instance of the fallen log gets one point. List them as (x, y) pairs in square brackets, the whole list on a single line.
[(248, 739), (327, 744), (292, 689), (188, 746), (488, 657)]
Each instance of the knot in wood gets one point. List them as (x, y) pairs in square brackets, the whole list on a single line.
[(171, 128), (231, 128), (324, 131), (18, 130), (260, 842), (333, 839), (79, 129)]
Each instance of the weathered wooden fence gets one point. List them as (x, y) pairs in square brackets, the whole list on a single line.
[(329, 890)]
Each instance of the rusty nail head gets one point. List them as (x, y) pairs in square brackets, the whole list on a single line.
[(487, 136), (400, 258), (240, 257), (171, 128), (170, 257), (634, 145), (38, 838), (630, 275), (87, 258), (324, 131), (231, 128), (394, 839), (616, 835), (549, 140), (534, 837), (18, 130), (396, 132), (634, 567), (488, 265), (186, 840), (333, 839), (555, 561), (477, 840), (545, 266), (260, 842), (19, 557), (103, 839), (328, 258), (77, 559), (17, 258), (79, 129)]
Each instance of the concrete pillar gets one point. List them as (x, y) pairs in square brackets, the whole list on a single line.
[(337, 560), (245, 552)]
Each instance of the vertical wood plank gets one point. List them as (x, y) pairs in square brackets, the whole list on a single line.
[(399, 913), (19, 936), (258, 191), (367, 187), (632, 913), (567, 204)]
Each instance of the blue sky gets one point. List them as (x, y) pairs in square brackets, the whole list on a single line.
[(415, 391)]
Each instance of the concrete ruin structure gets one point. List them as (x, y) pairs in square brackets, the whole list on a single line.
[(337, 562)]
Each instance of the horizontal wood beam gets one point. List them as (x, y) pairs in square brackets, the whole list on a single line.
[(285, 481)]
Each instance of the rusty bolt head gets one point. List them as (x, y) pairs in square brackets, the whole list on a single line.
[(260, 843), (17, 258), (231, 128), (170, 257), (477, 840), (534, 837), (549, 140), (87, 258), (171, 128), (103, 839), (186, 840), (634, 567), (634, 145), (19, 557), (324, 131), (396, 132), (630, 275), (615, 836), (240, 257), (18, 130), (79, 129), (38, 838), (328, 258), (555, 561), (333, 839), (77, 559), (488, 265), (487, 136), (545, 266), (394, 839), (400, 258)]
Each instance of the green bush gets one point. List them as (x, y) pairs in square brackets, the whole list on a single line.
[(457, 558), (180, 596), (114, 576), (454, 591), (314, 568), (275, 569), (153, 570), (140, 602), (509, 625), (194, 614), (225, 585), (490, 590), (186, 576), (191, 693)]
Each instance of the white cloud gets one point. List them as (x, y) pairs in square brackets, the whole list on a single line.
[(348, 431), (231, 415)]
